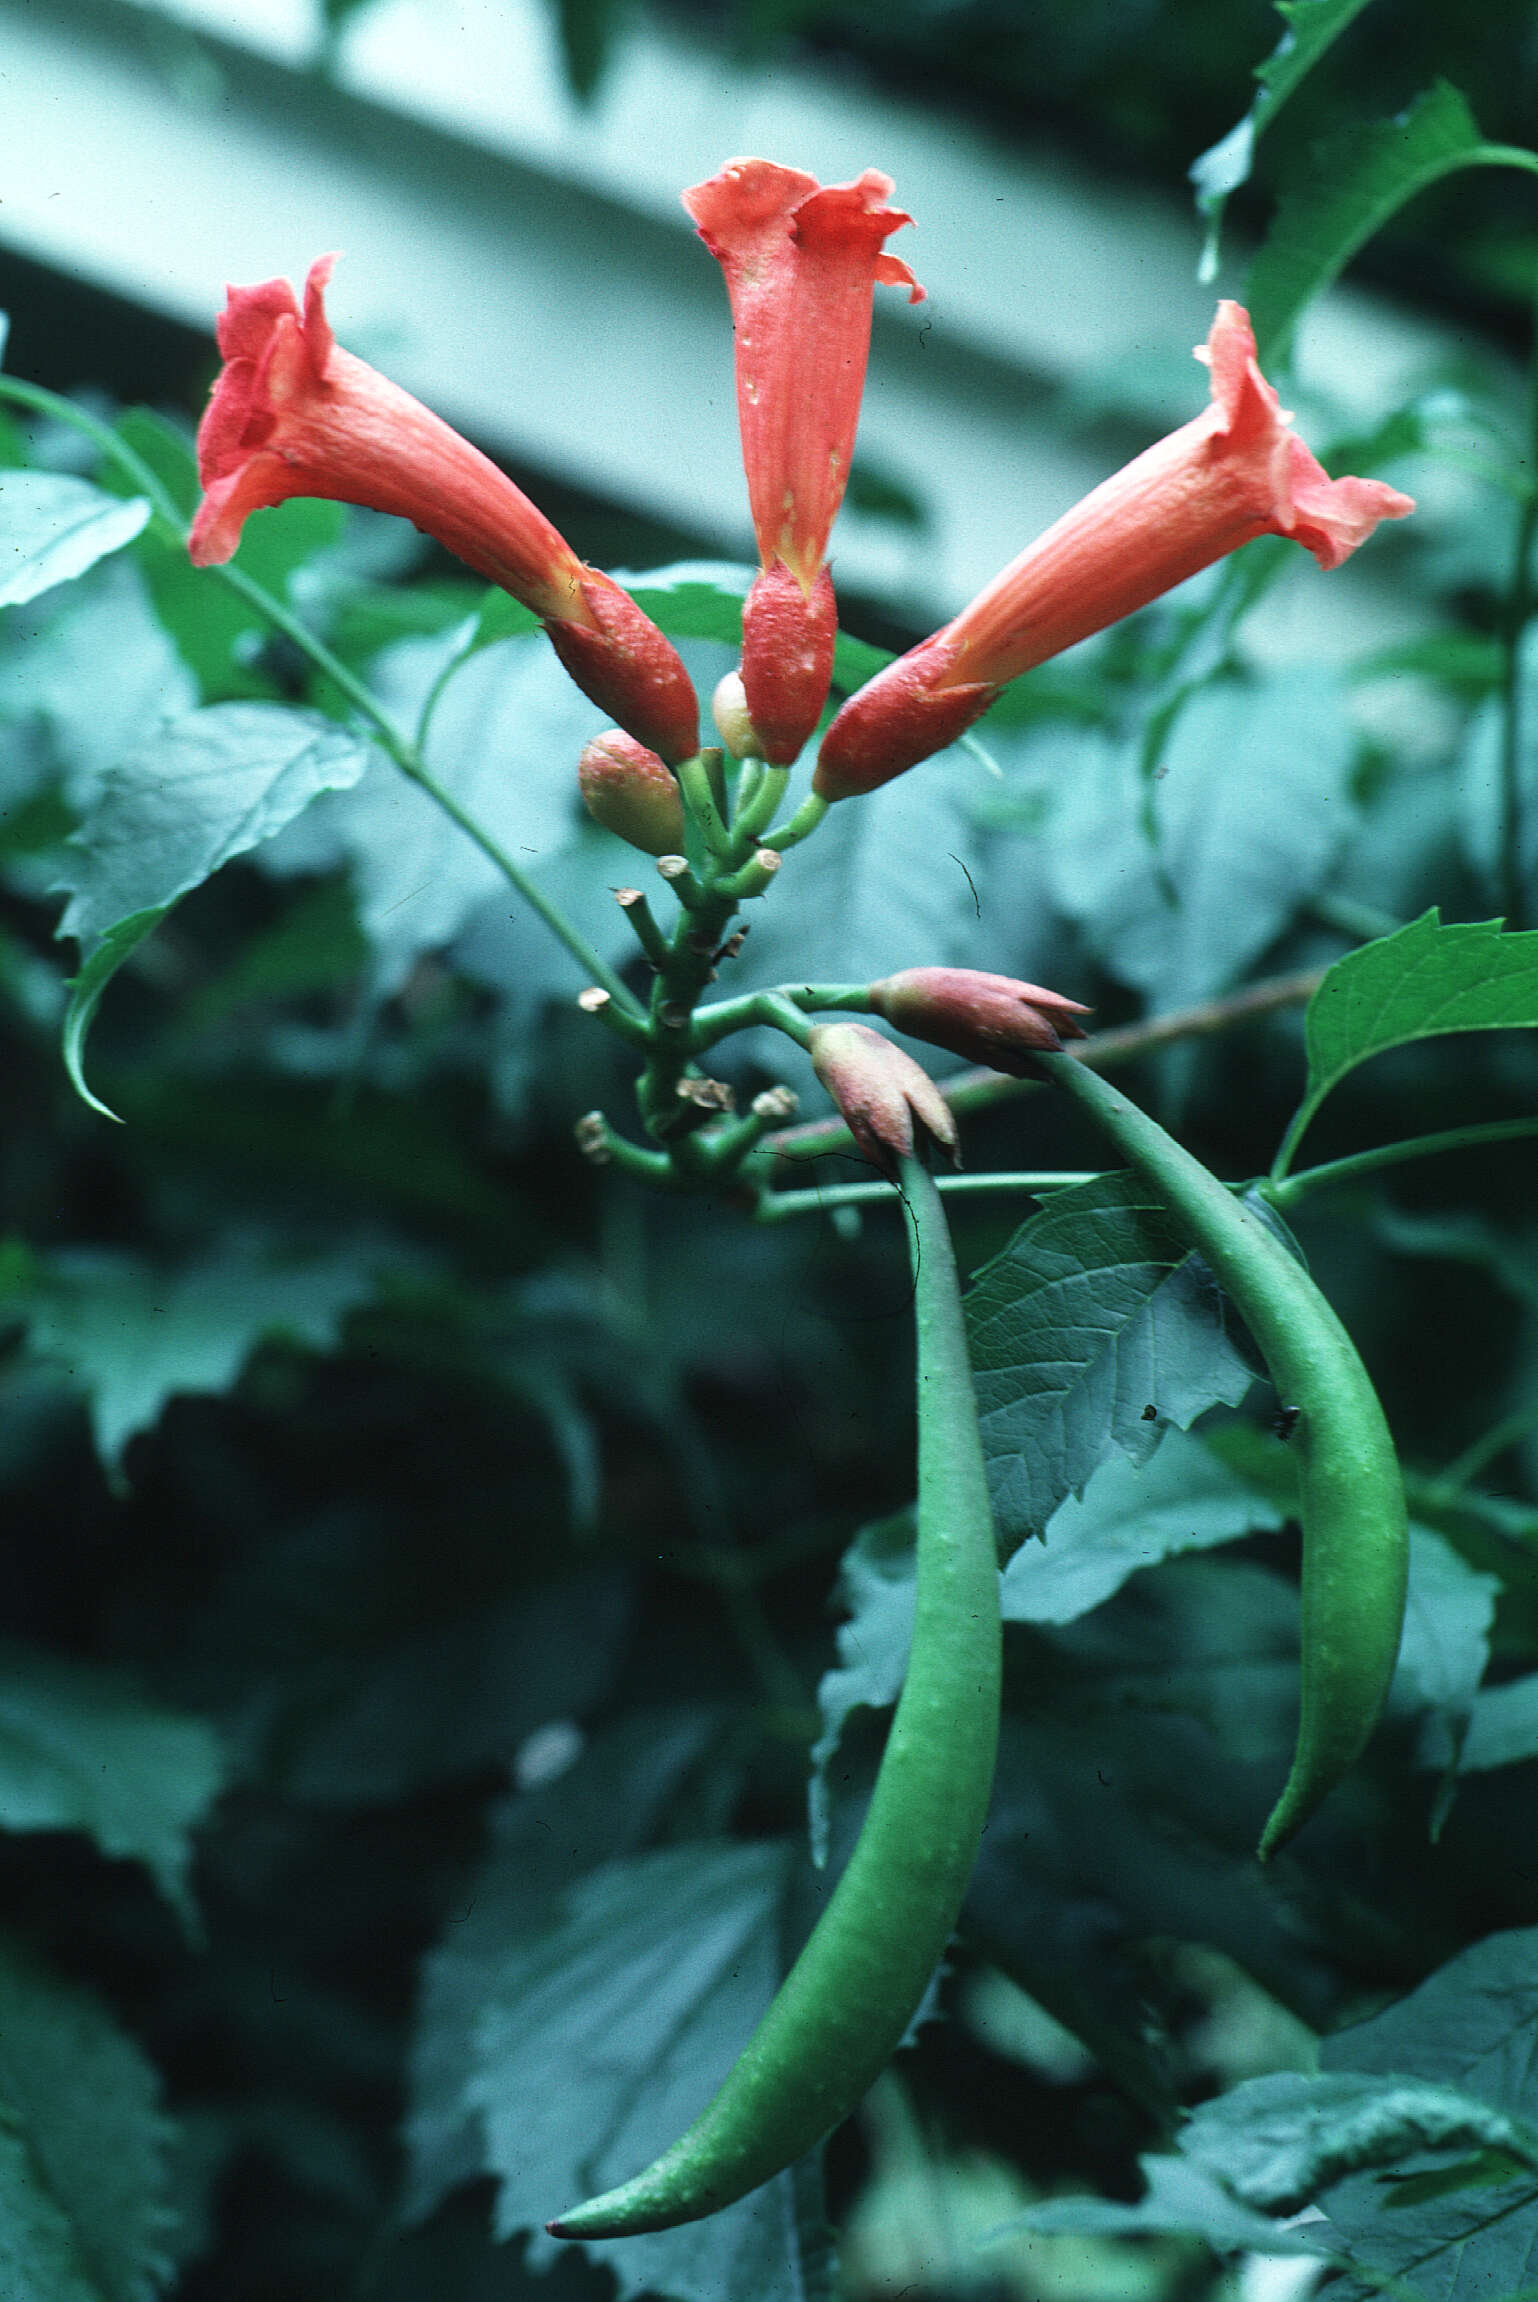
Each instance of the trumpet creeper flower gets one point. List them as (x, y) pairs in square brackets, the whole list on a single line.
[(1235, 472), (802, 261), (293, 414)]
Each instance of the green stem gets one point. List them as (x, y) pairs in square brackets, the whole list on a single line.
[(782, 1206), (801, 825), (1450, 1482), (724, 1016), (1286, 1192), (128, 461), (757, 803)]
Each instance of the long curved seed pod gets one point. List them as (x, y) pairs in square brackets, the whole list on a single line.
[(843, 2008), (1351, 1495)]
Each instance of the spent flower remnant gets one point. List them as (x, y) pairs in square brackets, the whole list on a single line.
[(802, 260), (292, 414), (1235, 472), (880, 1093), (988, 1019)]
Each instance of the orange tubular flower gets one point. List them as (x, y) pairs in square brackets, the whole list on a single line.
[(801, 262), (1233, 473), (988, 1019), (292, 414)]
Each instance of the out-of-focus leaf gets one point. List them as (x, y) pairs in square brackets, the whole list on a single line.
[(131, 1336), (1503, 1726), (1130, 1516), (79, 1750), (187, 799), (83, 2215), (1279, 2141), (1473, 2026), (1348, 190), (1252, 805), (100, 674), (1313, 26), (1182, 2200), (608, 2034), (587, 37), (54, 526), (504, 737), (1449, 1609), (1095, 1329), (1422, 981), (609, 1803)]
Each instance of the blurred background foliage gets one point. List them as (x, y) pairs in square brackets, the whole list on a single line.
[(406, 1521)]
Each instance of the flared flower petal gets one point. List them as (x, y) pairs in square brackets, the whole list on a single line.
[(802, 261), (1235, 472), (988, 1019), (292, 414)]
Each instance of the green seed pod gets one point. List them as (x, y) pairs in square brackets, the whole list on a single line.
[(843, 2008)]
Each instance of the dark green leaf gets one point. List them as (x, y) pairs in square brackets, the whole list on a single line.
[(1182, 2200), (82, 2147), (131, 1336), (1130, 1516), (79, 1750), (85, 996), (611, 1801), (1473, 2026), (1280, 2141), (1350, 189), (1449, 1609), (187, 799), (1096, 1328), (1250, 811), (53, 527), (1418, 983), (1313, 26), (606, 2036)]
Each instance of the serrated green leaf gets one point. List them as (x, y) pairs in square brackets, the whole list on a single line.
[(99, 675), (1181, 2201), (85, 996), (1095, 1329), (80, 1750), (1313, 26), (609, 1802), (1421, 982), (131, 1336), (1278, 2142), (82, 2147), (1349, 190), (1129, 1517), (186, 800), (606, 2036), (192, 796), (1249, 817), (54, 526)]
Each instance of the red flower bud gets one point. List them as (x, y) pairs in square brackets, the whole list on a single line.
[(629, 791), (988, 1019), (292, 414), (880, 1093)]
